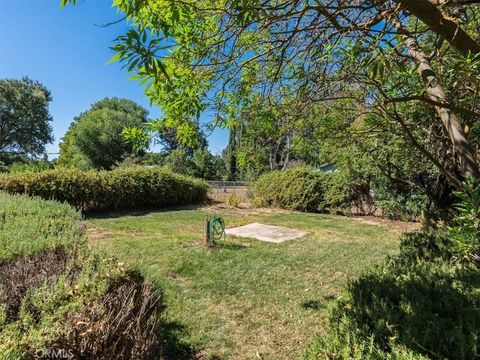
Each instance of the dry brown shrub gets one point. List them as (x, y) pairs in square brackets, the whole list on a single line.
[(125, 323), (24, 274)]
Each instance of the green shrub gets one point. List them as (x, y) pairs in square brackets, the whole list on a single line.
[(465, 229), (30, 225), (428, 245), (346, 195), (122, 188), (233, 201), (298, 188), (400, 202), (32, 166), (421, 300), (55, 295), (425, 300)]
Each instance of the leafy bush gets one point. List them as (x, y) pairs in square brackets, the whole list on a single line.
[(55, 295), (401, 203), (298, 188), (424, 302), (344, 193), (233, 201), (122, 188), (30, 225), (417, 301), (466, 229), (32, 166)]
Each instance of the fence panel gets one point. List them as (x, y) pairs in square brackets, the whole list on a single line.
[(221, 190)]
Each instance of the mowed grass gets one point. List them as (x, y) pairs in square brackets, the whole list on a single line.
[(244, 299)]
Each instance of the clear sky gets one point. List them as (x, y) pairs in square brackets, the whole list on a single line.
[(66, 50)]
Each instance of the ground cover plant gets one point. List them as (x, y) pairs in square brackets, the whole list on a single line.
[(57, 297), (244, 299), (122, 188)]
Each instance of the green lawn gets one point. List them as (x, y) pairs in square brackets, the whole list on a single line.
[(244, 299)]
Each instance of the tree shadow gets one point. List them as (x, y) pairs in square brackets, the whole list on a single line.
[(313, 305), (318, 304), (172, 348), (223, 245), (113, 214)]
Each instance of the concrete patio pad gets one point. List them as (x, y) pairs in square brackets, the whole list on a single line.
[(269, 233)]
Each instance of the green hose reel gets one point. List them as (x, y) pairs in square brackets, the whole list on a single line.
[(214, 230)]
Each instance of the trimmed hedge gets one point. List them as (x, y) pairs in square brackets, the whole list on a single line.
[(308, 189), (297, 188), (122, 188)]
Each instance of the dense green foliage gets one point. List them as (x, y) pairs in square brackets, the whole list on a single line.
[(31, 225), (340, 191), (122, 188), (52, 288), (423, 302), (418, 300), (466, 227), (298, 188), (24, 117), (285, 58), (94, 139), (304, 83), (169, 139), (201, 164), (30, 166)]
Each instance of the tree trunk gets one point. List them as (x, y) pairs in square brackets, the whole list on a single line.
[(428, 12), (232, 155), (435, 91)]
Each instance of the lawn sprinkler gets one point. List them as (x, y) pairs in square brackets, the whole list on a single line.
[(214, 230)]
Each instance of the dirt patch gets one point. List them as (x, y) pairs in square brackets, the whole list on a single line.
[(244, 209), (96, 234), (396, 225), (24, 274)]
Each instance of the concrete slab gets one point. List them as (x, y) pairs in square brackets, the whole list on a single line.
[(269, 233)]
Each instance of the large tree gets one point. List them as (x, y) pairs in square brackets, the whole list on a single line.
[(94, 139), (208, 53), (168, 138), (24, 117)]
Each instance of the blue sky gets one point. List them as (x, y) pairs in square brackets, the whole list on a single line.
[(66, 51)]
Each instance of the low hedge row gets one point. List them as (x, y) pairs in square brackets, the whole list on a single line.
[(297, 188), (305, 188), (122, 188)]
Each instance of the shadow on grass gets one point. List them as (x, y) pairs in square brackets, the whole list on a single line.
[(318, 304), (172, 347), (223, 245), (313, 305), (113, 214)]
